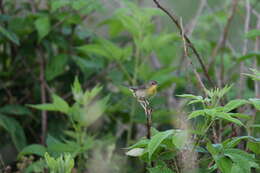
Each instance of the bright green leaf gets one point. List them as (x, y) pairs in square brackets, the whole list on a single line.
[(157, 140)]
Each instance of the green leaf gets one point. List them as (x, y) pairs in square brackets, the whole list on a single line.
[(135, 152), (160, 169), (233, 104), (56, 66), (33, 149), (15, 130), (43, 27), (157, 140), (77, 90), (94, 49), (94, 111), (227, 116), (190, 96), (253, 33), (57, 4), (36, 166), (254, 146), (242, 158), (255, 102), (15, 110), (10, 35), (195, 114), (140, 144), (60, 104), (44, 107), (224, 164)]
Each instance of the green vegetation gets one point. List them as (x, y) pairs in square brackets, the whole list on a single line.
[(65, 107)]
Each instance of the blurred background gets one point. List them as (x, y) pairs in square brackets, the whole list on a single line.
[(64, 66)]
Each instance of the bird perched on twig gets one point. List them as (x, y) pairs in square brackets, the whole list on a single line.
[(145, 91)]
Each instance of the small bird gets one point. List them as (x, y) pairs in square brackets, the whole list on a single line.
[(145, 91)]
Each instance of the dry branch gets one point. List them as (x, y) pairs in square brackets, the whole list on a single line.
[(189, 43)]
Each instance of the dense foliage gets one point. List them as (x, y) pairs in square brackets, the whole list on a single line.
[(65, 65)]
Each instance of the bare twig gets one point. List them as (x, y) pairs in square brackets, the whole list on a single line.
[(43, 97), (186, 55), (189, 43), (223, 37), (222, 43), (246, 29), (257, 44)]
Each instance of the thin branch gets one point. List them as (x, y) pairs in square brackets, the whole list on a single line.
[(222, 44), (43, 98), (189, 43), (224, 35), (257, 44), (186, 55), (244, 51)]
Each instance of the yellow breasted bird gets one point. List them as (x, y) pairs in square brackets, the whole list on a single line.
[(145, 91)]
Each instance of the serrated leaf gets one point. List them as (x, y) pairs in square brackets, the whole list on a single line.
[(156, 140)]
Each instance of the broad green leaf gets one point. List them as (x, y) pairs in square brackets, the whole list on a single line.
[(15, 130), (135, 152), (157, 140), (56, 66), (94, 49), (254, 146), (43, 26), (160, 169), (242, 158), (33, 149), (195, 114), (213, 150), (10, 35), (227, 116), (15, 110), (234, 104), (224, 164), (253, 33)]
